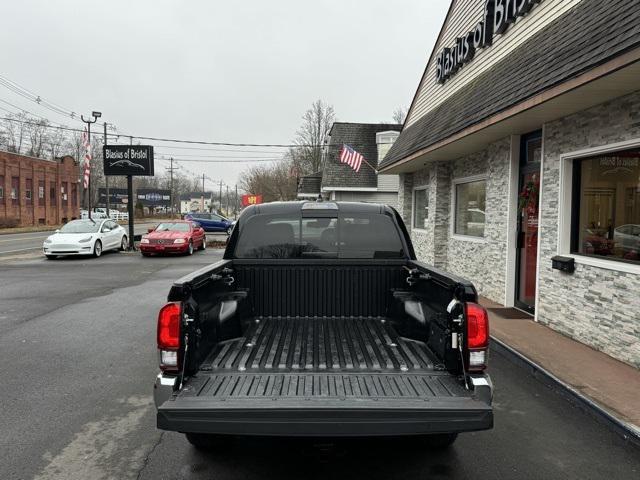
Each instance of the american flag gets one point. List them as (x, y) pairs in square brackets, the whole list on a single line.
[(352, 158), (87, 158)]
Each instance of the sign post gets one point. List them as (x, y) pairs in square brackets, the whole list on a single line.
[(128, 160)]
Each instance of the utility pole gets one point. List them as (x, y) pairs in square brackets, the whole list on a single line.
[(96, 116), (220, 197), (170, 170), (235, 209), (227, 212), (202, 196), (106, 177)]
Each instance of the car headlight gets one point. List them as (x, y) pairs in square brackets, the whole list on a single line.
[(85, 240), (48, 240), (179, 240), (144, 240)]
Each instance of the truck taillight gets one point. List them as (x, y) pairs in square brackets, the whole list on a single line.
[(169, 320), (477, 337)]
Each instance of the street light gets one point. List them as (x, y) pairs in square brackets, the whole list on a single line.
[(96, 116)]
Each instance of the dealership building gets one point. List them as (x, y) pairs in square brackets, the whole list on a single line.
[(519, 162)]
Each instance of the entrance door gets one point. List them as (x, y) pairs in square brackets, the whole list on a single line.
[(528, 213)]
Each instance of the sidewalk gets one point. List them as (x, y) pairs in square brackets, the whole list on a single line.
[(612, 385)]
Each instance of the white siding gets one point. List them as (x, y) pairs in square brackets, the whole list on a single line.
[(464, 16), (388, 183)]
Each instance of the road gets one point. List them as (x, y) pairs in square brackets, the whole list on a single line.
[(78, 360), (23, 243)]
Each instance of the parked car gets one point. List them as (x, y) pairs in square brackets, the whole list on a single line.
[(211, 222), (330, 329), (627, 239), (178, 236), (84, 215), (85, 237)]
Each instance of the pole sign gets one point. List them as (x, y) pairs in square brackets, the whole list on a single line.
[(136, 160), (498, 16), (152, 197), (251, 200)]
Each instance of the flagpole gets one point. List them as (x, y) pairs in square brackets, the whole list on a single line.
[(95, 116)]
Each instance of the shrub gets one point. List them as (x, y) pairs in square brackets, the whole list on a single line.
[(9, 222)]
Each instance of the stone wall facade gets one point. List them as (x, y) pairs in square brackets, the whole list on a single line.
[(597, 306), (481, 261)]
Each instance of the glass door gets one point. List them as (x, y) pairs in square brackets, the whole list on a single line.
[(528, 215)]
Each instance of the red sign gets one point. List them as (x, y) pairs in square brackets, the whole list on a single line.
[(251, 200)]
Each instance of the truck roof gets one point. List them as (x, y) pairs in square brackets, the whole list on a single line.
[(297, 206)]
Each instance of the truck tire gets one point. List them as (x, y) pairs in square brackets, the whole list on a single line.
[(208, 443), (439, 441), (124, 243)]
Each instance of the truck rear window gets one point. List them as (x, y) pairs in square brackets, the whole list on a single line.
[(358, 235)]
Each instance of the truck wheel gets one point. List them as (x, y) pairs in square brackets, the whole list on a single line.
[(439, 441), (97, 249), (207, 443), (124, 243)]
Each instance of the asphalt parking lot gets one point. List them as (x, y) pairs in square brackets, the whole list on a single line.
[(78, 360)]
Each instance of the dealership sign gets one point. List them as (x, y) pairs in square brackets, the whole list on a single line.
[(128, 160), (498, 16), (117, 196), (251, 200), (150, 197)]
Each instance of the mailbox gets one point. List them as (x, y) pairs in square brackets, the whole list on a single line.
[(564, 264)]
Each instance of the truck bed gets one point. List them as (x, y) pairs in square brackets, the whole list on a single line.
[(337, 376)]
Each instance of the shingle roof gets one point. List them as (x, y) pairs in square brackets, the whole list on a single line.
[(586, 36), (362, 138)]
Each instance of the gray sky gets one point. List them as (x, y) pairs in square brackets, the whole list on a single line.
[(229, 71)]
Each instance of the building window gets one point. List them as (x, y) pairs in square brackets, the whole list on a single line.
[(420, 207), (28, 191), (52, 195), (64, 194), (469, 207), (41, 192), (74, 194), (606, 206), (15, 190)]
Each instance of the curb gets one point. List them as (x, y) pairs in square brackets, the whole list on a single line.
[(586, 404)]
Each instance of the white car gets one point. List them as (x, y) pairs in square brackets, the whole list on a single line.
[(85, 237)]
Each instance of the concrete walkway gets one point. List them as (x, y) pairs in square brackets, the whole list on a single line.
[(613, 385)]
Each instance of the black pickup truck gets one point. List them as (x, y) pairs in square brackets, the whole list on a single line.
[(319, 321)]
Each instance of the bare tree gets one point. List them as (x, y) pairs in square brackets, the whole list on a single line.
[(15, 132), (55, 141), (311, 136), (274, 182), (399, 115)]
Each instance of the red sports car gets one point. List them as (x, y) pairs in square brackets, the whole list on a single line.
[(174, 237)]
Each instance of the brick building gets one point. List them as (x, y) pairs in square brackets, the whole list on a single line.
[(522, 145), (35, 191)]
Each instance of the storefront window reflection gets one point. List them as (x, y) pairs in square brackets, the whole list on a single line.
[(609, 206), (470, 208)]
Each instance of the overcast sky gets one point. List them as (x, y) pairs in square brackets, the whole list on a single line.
[(229, 71)]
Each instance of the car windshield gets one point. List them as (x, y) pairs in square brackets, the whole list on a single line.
[(173, 227), (80, 226), (351, 235)]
